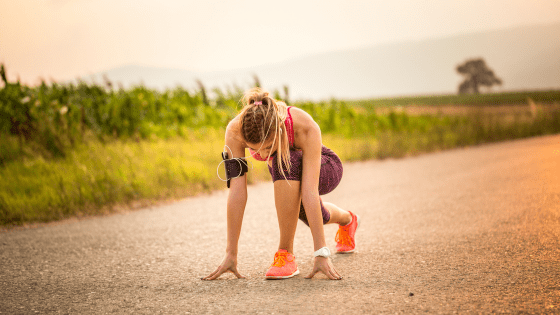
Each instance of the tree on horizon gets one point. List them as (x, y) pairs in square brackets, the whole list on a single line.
[(476, 74)]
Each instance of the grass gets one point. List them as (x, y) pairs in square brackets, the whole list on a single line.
[(77, 150), (486, 99), (98, 177)]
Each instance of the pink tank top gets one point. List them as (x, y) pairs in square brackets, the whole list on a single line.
[(289, 129)]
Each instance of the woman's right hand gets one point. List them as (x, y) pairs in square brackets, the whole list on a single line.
[(228, 264)]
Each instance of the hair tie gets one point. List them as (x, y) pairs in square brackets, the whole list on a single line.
[(257, 103)]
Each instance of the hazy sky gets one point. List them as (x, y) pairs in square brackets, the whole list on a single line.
[(63, 39)]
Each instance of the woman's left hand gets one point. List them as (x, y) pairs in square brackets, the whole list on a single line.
[(324, 265)]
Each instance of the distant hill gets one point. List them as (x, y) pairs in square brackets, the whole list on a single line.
[(524, 58)]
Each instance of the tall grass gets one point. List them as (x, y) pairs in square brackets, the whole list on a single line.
[(51, 119), (95, 177), (71, 150), (504, 98)]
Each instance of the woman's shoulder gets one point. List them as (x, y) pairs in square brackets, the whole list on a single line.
[(301, 119), (305, 127), (233, 130)]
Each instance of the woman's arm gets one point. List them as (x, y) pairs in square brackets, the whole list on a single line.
[(311, 143), (237, 199), (309, 140)]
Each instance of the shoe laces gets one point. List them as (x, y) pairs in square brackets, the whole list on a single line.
[(342, 236), (280, 259)]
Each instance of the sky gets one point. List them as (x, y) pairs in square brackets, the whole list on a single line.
[(65, 39)]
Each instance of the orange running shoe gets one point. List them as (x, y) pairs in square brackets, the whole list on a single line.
[(283, 267), (345, 237)]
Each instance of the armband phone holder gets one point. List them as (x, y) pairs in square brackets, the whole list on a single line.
[(235, 167)]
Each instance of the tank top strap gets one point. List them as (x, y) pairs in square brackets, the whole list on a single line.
[(290, 127)]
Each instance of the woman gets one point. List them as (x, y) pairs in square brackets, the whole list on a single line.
[(289, 140)]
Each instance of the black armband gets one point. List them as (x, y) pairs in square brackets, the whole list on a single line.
[(235, 167)]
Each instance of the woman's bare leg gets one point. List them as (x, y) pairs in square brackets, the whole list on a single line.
[(287, 197), (338, 215)]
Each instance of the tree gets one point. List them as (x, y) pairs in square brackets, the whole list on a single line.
[(476, 74)]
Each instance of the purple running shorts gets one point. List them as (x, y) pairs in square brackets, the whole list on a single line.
[(329, 177)]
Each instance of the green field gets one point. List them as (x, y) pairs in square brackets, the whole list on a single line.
[(491, 99), (84, 149)]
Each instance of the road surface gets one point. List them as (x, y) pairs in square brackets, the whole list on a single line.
[(468, 230)]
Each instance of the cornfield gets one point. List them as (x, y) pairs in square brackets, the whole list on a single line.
[(82, 148)]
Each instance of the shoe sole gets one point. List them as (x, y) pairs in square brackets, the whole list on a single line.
[(283, 277), (350, 251)]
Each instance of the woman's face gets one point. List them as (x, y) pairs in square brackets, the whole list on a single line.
[(265, 148)]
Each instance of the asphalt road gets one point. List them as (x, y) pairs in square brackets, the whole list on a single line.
[(468, 230)]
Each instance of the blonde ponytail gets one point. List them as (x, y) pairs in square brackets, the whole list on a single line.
[(263, 118)]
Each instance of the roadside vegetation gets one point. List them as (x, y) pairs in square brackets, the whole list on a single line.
[(491, 99), (83, 149)]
